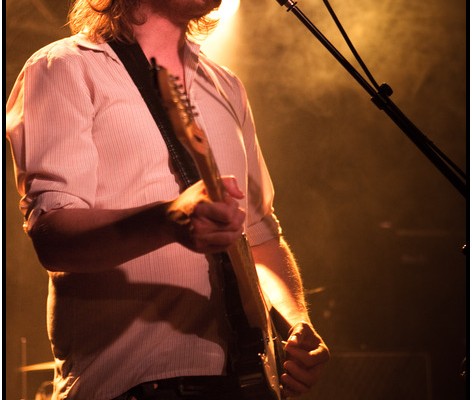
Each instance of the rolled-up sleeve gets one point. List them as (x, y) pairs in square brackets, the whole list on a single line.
[(261, 221), (49, 125), (263, 224)]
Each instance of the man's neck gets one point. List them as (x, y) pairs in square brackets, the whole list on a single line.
[(163, 40)]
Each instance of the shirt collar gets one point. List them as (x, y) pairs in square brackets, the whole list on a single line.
[(83, 41), (191, 62), (192, 49)]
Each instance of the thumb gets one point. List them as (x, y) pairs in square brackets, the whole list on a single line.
[(232, 188), (302, 335)]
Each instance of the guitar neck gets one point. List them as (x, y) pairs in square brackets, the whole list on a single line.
[(254, 302), (195, 141)]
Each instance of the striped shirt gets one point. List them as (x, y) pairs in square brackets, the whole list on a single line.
[(82, 137)]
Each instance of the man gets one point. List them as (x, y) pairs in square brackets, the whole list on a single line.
[(135, 305)]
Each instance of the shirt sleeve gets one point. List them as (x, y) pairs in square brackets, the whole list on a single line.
[(49, 126), (263, 224), (261, 221)]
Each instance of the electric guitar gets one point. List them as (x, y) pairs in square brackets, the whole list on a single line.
[(260, 349)]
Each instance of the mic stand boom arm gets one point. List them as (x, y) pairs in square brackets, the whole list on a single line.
[(381, 98)]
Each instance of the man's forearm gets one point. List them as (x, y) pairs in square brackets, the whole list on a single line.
[(281, 280), (89, 240)]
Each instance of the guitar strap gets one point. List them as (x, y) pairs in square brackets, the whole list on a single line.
[(144, 75), (145, 78)]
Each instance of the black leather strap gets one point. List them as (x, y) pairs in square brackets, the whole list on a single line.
[(145, 78)]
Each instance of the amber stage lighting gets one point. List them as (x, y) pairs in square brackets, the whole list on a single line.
[(369, 218), (220, 45)]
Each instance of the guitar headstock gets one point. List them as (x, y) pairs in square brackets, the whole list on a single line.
[(182, 118), (181, 113)]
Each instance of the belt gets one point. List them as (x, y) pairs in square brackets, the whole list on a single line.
[(185, 387)]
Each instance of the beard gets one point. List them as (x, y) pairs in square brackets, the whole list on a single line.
[(182, 11)]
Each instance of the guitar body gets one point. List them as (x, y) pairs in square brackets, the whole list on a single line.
[(256, 351), (256, 355), (251, 368)]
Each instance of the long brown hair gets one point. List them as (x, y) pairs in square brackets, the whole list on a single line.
[(114, 19)]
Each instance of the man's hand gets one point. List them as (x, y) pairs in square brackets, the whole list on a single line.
[(204, 226), (306, 355)]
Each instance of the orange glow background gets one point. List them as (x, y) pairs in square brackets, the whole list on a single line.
[(376, 229)]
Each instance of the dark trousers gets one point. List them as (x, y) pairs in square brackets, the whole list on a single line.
[(188, 388)]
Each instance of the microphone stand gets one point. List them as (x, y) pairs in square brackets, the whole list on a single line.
[(380, 96)]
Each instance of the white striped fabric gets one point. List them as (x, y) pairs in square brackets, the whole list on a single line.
[(81, 136)]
